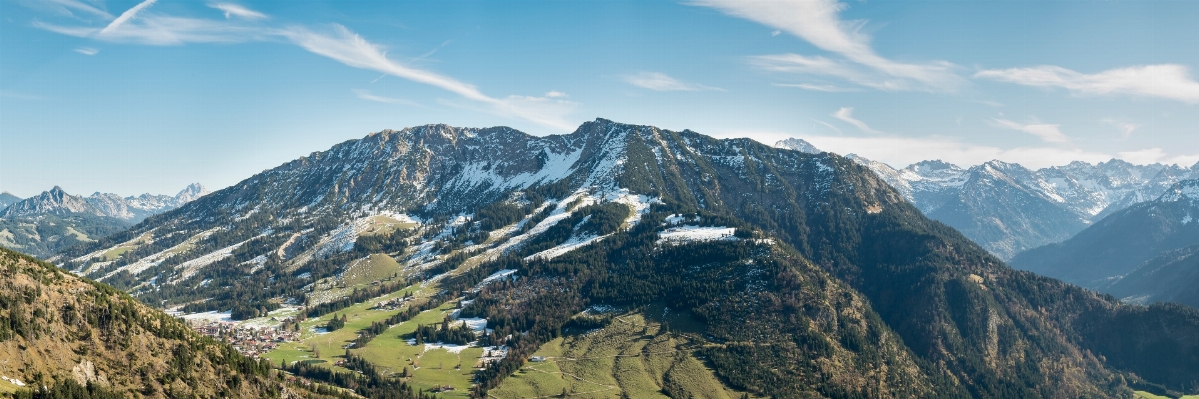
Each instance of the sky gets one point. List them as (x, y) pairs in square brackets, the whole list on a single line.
[(148, 96)]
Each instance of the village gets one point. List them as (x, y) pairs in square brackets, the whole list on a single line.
[(250, 341)]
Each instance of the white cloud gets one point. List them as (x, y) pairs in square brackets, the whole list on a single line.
[(235, 10), (776, 32), (1126, 128), (125, 16), (845, 114), (87, 51), (818, 22), (556, 94), (812, 87), (658, 81), (1047, 132), (1156, 155), (902, 151), (1168, 81), (366, 95)]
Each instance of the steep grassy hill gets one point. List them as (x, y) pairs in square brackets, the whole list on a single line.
[(66, 333)]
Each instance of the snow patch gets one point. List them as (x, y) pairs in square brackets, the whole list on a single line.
[(684, 234), (211, 315), (495, 277)]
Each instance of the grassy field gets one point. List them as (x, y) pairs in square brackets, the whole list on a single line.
[(1147, 395), (428, 368), (376, 267), (390, 353), (383, 224), (631, 355), (331, 346)]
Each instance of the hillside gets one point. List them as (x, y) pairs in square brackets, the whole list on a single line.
[(802, 274), (63, 332)]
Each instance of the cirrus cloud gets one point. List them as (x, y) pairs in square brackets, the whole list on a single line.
[(1045, 131), (1168, 81), (818, 22), (658, 81)]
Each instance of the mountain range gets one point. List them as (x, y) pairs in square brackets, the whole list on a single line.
[(53, 220), (1008, 208), (793, 274)]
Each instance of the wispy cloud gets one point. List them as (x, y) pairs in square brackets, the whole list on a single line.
[(830, 126), (1168, 81), (1047, 132), (812, 87), (161, 30), (658, 81), (337, 43), (126, 16), (350, 49), (236, 10), (87, 51), (366, 95), (1126, 128), (19, 95), (845, 114), (64, 7), (818, 22), (556, 94)]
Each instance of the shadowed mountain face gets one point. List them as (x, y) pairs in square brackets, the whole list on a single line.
[(1103, 256), (1169, 277), (1008, 208), (835, 284)]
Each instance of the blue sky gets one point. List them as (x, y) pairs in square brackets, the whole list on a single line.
[(148, 96)]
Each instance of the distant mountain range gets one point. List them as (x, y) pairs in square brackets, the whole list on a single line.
[(43, 224), (131, 209), (1145, 253), (1008, 208)]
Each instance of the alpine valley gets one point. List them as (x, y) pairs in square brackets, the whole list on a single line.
[(632, 261)]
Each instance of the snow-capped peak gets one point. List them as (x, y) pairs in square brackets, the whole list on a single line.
[(798, 145)]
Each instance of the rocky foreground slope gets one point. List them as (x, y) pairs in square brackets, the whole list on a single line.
[(60, 333)]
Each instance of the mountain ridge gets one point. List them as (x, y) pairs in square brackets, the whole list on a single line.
[(979, 327)]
